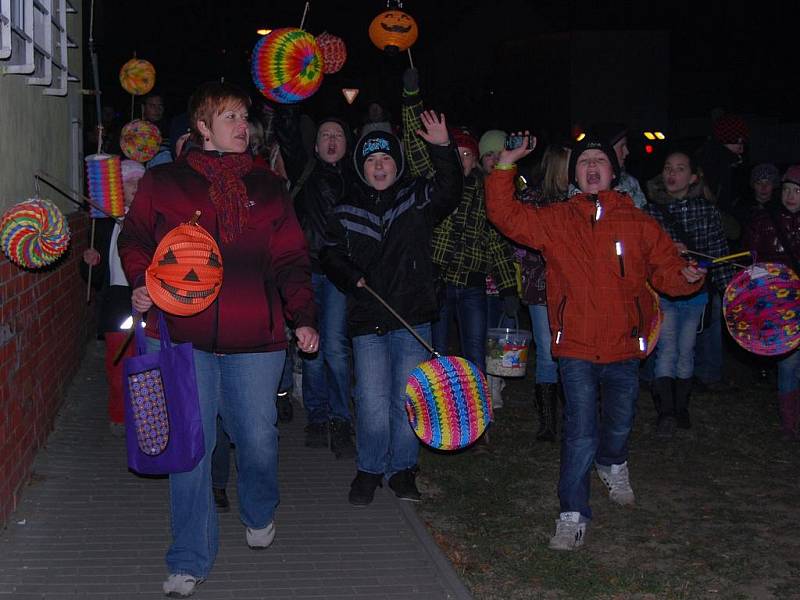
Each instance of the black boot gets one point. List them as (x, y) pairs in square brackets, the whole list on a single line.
[(283, 402), (342, 440), (362, 490), (664, 399), (547, 407), (683, 390)]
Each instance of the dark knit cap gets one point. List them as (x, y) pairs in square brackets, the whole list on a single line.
[(611, 133), (374, 142), (792, 175), (592, 142), (730, 129)]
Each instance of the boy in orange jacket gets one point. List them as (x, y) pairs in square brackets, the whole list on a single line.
[(601, 253)]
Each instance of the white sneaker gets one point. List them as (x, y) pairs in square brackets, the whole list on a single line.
[(571, 531), (616, 480), (496, 385), (181, 585), (258, 539)]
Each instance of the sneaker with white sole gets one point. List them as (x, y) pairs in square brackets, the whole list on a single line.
[(181, 585), (571, 531), (259, 539), (616, 479)]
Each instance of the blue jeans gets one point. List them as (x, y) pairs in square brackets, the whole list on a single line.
[(546, 367), (583, 442), (495, 316), (240, 388), (789, 373), (676, 342), (385, 441), (708, 350), (468, 304), (326, 374)]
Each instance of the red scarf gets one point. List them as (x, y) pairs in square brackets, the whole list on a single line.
[(228, 192)]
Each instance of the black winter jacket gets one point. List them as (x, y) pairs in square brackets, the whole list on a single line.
[(322, 190), (385, 237)]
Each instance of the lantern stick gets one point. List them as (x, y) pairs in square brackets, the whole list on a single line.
[(410, 60), (411, 330), (721, 259), (137, 318), (305, 11), (195, 218), (72, 196), (89, 278)]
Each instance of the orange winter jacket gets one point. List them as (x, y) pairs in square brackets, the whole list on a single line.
[(601, 252)]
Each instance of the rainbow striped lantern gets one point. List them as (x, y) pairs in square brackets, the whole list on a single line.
[(104, 178), (287, 65), (34, 233), (448, 402)]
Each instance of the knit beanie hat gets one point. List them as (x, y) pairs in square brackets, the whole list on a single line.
[(493, 140), (464, 139), (131, 169), (374, 142), (611, 133), (792, 175), (730, 129), (764, 171), (592, 142)]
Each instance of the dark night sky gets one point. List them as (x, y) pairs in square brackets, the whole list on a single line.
[(720, 56)]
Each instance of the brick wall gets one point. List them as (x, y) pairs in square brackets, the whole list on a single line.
[(44, 325)]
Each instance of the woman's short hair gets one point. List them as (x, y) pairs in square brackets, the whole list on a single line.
[(213, 98)]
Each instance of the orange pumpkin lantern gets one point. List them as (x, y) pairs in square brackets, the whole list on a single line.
[(393, 30), (185, 275), (137, 76)]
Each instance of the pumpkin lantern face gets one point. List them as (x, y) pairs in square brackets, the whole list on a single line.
[(185, 275), (393, 31)]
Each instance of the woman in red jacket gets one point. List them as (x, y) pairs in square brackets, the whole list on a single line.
[(239, 341)]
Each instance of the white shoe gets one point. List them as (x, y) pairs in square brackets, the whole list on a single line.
[(615, 477), (181, 585), (258, 539), (496, 385), (571, 531)]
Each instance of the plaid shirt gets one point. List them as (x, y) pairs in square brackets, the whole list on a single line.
[(465, 242), (702, 225)]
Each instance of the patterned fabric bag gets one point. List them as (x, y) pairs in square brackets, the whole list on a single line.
[(163, 426)]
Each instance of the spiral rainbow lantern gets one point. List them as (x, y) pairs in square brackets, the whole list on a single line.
[(34, 233), (334, 52), (287, 65), (137, 76), (140, 140), (104, 178), (448, 402)]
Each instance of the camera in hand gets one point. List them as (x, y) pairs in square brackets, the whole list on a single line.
[(515, 141)]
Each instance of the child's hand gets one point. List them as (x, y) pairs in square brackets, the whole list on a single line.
[(510, 157), (435, 129), (140, 299), (91, 257), (693, 273)]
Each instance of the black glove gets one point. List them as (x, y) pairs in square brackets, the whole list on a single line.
[(411, 80), (511, 306)]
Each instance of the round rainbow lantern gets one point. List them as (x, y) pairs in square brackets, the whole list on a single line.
[(140, 140), (104, 178), (34, 233), (137, 76), (762, 309), (448, 402), (287, 65), (334, 52)]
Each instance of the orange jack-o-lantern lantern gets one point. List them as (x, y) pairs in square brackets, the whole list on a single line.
[(393, 31), (186, 273)]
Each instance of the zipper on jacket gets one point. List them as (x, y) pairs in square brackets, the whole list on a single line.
[(618, 251), (635, 333), (561, 306), (598, 209)]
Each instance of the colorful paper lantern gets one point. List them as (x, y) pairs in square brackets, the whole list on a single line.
[(393, 30), (140, 140), (34, 233), (185, 275), (104, 179), (448, 402), (287, 65), (137, 76), (334, 52), (762, 309)]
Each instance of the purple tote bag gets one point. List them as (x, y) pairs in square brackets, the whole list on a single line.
[(163, 426)]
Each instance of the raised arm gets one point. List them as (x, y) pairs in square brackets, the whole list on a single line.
[(416, 150)]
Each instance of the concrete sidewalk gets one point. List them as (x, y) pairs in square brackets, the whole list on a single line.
[(88, 528)]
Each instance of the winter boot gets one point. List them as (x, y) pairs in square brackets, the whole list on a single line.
[(664, 398), (547, 407), (683, 390), (789, 408)]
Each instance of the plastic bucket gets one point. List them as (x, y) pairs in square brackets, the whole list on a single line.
[(507, 352)]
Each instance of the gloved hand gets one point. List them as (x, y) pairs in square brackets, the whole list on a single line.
[(411, 80), (511, 306)]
